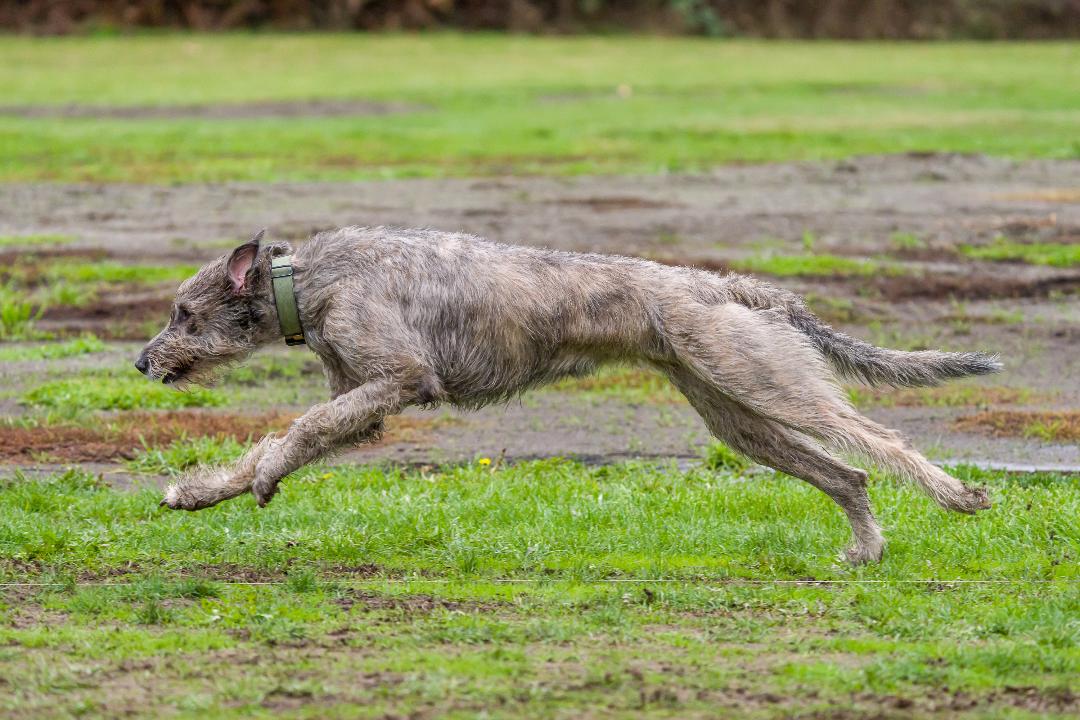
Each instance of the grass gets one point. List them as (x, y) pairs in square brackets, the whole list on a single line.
[(523, 105), (83, 345), (34, 240), (812, 265), (955, 395), (32, 284), (17, 314), (1003, 249), (385, 595), (627, 384), (114, 273), (76, 395), (185, 453)]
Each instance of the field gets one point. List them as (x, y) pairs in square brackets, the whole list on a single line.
[(586, 551)]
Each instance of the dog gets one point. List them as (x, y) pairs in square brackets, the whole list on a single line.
[(406, 318)]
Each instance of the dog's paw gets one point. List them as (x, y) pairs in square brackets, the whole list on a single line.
[(866, 552), (176, 499), (264, 489)]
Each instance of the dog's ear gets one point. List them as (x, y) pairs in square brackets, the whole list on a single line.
[(241, 264)]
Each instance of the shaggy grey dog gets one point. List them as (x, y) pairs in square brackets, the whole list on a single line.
[(419, 317)]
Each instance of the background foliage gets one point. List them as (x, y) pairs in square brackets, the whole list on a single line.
[(921, 19)]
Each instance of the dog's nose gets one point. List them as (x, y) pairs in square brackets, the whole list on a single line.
[(142, 364)]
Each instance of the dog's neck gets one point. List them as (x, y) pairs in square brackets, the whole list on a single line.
[(288, 312)]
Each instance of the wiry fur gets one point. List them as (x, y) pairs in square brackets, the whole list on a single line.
[(419, 317)]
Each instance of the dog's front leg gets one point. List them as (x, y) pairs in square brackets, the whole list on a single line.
[(347, 420), (206, 486)]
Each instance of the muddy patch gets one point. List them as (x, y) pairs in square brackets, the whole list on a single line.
[(1049, 426), (122, 315), (411, 604), (229, 111), (10, 258), (881, 208), (614, 203), (122, 436)]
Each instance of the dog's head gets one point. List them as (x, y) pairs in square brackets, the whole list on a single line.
[(220, 315)]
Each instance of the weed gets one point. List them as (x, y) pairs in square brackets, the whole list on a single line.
[(17, 317), (720, 458), (302, 581), (152, 612)]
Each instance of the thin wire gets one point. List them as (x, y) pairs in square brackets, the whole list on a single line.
[(614, 581)]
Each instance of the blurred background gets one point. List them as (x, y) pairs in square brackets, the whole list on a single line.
[(877, 19)]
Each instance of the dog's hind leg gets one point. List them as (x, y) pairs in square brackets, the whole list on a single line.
[(762, 363), (782, 449)]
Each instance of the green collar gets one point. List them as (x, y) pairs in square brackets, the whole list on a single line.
[(281, 274)]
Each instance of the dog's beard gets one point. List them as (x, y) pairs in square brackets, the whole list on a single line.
[(200, 364), (207, 374)]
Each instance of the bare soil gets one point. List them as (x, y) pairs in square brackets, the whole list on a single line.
[(856, 208), (117, 437), (1063, 426)]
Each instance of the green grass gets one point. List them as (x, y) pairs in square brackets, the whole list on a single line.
[(1003, 249), (84, 345), (32, 284), (811, 265), (110, 272), (17, 314), (87, 393), (626, 384), (34, 240), (180, 455), (387, 594), (498, 104)]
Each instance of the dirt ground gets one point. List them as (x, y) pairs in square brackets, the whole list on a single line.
[(864, 208)]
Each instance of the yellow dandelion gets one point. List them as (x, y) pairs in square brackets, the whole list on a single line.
[(484, 461)]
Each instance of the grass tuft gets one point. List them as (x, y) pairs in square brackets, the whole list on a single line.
[(1003, 249)]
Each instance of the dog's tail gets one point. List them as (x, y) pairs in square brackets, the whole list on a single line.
[(860, 361)]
